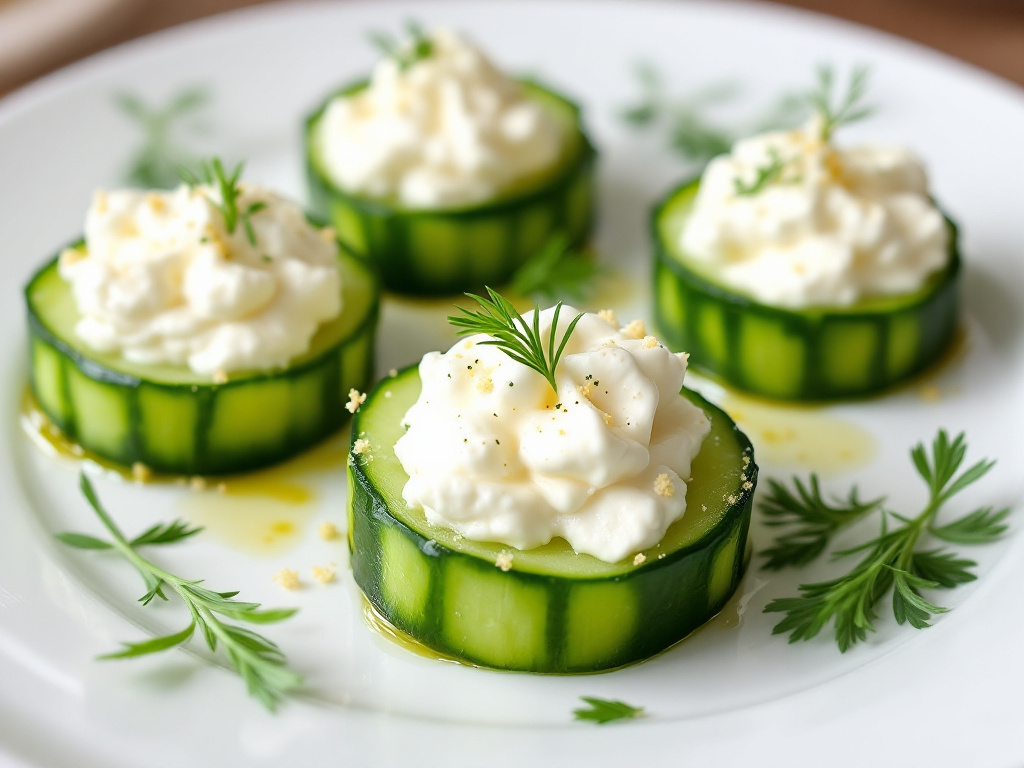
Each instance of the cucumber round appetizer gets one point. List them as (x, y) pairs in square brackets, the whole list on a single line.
[(171, 419), (546, 609), (445, 172), (816, 353)]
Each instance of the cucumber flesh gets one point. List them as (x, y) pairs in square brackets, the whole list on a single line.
[(554, 610)]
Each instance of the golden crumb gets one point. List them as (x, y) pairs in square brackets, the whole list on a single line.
[(197, 483), (747, 485), (485, 385), (608, 315), (393, 372), (640, 558), (360, 446), (584, 390), (663, 485), (156, 202), (731, 498), (504, 560), (650, 342), (327, 531), (635, 330), (220, 377), (222, 487), (608, 419), (323, 573), (287, 578), (355, 399), (141, 472), (328, 234)]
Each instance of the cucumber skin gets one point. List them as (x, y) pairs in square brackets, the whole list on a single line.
[(399, 241), (327, 372), (673, 595), (682, 296)]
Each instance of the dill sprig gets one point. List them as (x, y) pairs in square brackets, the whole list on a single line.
[(419, 47), (227, 184), (765, 175), (813, 520), (259, 661), (893, 561), (156, 162), (554, 271), (512, 335), (603, 711), (848, 109)]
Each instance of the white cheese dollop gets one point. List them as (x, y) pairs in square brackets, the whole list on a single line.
[(162, 281), (449, 130), (835, 226), (495, 454)]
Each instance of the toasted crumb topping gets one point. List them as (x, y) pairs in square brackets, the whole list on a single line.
[(323, 573), (635, 330), (504, 560), (608, 419), (360, 446), (485, 384), (355, 399), (663, 485), (609, 316), (141, 472), (327, 531), (197, 483), (640, 558), (328, 234), (287, 578)]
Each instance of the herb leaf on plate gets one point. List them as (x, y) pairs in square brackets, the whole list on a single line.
[(556, 270), (892, 561), (255, 658), (603, 711)]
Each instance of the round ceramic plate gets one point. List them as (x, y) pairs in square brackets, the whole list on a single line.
[(731, 694)]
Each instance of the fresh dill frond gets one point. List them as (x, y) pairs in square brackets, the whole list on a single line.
[(259, 662), (810, 518), (513, 335), (836, 111), (405, 54), (892, 561), (555, 271), (214, 175)]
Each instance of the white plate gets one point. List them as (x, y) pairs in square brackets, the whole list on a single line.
[(947, 696)]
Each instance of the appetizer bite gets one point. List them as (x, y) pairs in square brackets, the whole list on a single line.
[(799, 269), (203, 330), (545, 496), (444, 171)]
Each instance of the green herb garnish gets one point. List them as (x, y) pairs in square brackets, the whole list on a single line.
[(766, 174), (555, 270), (405, 55), (512, 335), (849, 109), (814, 518), (603, 711), (227, 184), (155, 164), (893, 560), (259, 661)]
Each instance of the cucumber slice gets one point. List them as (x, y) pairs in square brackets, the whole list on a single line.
[(172, 419), (819, 353), (554, 611), (439, 251)]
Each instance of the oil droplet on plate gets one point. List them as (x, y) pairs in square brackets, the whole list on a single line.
[(800, 436)]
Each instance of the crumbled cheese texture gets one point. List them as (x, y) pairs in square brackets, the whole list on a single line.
[(323, 573), (327, 531), (360, 446), (640, 558), (162, 281), (287, 578), (355, 399), (836, 225), (449, 130), (504, 560), (522, 464)]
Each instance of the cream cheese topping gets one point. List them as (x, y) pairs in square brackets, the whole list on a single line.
[(162, 281), (494, 453), (448, 130), (834, 226)]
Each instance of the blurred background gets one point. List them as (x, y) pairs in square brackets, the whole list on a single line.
[(39, 36)]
